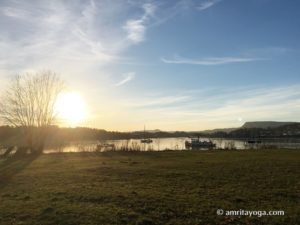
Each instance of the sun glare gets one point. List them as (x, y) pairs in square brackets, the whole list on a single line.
[(70, 108)]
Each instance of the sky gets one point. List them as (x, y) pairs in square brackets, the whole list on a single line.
[(171, 65)]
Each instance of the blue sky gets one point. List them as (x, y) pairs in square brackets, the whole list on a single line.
[(172, 65)]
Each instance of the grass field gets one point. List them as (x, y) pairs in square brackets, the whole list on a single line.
[(174, 187)]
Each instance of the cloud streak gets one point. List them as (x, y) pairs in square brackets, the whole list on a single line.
[(136, 28), (207, 4), (126, 78), (210, 61), (160, 101)]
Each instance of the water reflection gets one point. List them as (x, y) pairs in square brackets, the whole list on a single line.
[(161, 144)]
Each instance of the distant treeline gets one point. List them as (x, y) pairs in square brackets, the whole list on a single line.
[(57, 134), (61, 135)]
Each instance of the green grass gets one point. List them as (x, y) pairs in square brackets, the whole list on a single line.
[(174, 187)]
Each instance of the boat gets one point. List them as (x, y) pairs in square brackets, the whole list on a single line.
[(146, 140), (254, 142), (105, 146), (195, 143)]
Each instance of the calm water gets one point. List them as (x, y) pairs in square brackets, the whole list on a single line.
[(161, 144)]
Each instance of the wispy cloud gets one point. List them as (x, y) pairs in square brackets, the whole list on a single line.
[(126, 78), (159, 101), (14, 13), (210, 61), (136, 28), (62, 33), (207, 4), (269, 51), (226, 108), (165, 11)]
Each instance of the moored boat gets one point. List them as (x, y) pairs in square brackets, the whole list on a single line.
[(195, 143), (146, 140), (105, 146), (253, 141)]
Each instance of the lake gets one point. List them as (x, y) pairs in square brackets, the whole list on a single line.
[(161, 144)]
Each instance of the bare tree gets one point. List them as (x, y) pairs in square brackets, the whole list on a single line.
[(29, 103)]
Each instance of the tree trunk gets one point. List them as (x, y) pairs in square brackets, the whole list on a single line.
[(21, 151)]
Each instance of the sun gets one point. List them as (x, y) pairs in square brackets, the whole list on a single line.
[(70, 108)]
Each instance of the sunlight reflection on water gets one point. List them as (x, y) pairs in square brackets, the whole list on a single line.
[(161, 144)]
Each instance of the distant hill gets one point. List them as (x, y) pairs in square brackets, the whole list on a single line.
[(257, 129), (265, 124), (148, 131), (226, 130)]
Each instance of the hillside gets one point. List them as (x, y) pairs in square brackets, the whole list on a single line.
[(265, 124), (226, 130)]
